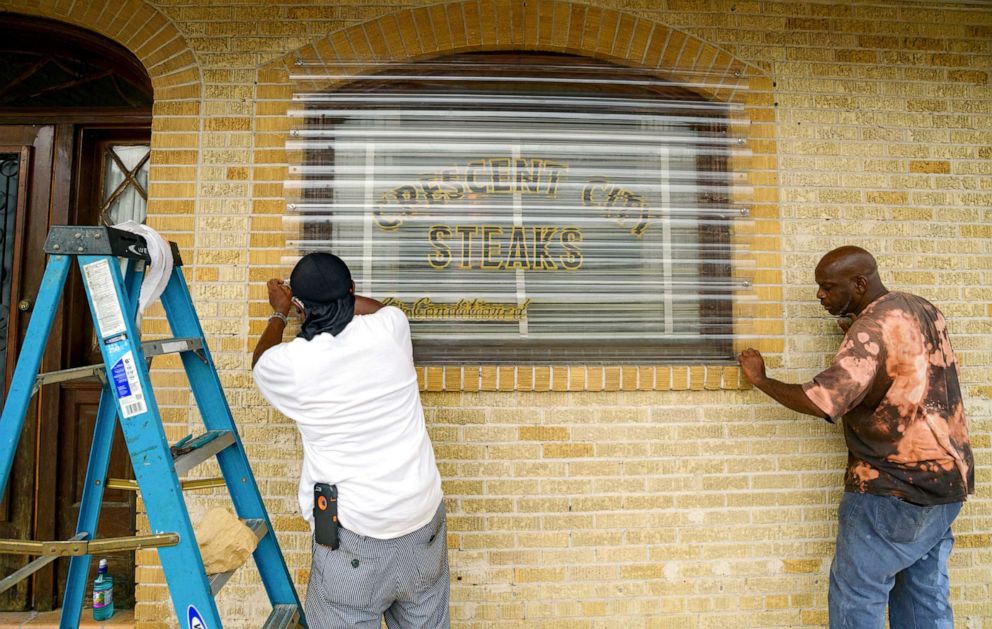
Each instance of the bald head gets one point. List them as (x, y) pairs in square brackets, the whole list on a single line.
[(849, 261), (848, 280)]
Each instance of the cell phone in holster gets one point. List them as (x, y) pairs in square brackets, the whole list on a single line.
[(325, 515)]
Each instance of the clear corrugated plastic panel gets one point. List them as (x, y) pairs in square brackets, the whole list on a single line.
[(525, 209)]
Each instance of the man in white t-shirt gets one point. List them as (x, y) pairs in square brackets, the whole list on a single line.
[(349, 383)]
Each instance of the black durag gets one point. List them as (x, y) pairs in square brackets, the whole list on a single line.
[(322, 283)]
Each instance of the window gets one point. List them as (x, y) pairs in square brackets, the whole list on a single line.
[(525, 208), (125, 183)]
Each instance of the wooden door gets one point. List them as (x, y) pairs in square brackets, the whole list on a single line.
[(36, 184), (15, 515)]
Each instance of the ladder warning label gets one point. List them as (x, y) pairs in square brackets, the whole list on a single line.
[(127, 387), (103, 296)]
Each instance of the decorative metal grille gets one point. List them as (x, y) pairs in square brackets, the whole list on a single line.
[(9, 169)]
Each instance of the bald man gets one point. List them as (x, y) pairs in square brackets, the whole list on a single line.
[(894, 384)]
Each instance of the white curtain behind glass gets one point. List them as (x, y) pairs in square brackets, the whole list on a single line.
[(130, 204)]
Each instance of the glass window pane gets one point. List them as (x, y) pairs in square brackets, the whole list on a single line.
[(129, 206), (525, 224), (131, 156), (112, 178), (142, 176), (130, 203)]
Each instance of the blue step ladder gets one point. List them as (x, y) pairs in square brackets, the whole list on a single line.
[(112, 293)]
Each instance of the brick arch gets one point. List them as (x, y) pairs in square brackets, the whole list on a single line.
[(139, 27), (563, 26), (476, 25)]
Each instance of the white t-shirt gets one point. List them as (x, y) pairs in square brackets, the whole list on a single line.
[(355, 399)]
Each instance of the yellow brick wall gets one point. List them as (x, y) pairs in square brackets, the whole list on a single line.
[(598, 496)]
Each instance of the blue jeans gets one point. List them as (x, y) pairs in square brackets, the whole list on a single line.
[(891, 552)]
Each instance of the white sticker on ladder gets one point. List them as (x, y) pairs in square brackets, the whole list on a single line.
[(175, 346), (127, 386), (106, 305)]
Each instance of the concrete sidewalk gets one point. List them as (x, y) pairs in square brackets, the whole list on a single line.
[(123, 619)]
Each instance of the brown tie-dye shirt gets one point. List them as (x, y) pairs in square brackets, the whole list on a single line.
[(895, 383)]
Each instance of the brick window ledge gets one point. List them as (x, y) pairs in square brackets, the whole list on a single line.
[(710, 377)]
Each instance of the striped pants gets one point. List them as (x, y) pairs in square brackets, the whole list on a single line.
[(404, 580)]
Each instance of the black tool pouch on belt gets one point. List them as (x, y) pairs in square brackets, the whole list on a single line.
[(325, 515)]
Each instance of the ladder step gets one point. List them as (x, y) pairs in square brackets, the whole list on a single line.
[(282, 617), (219, 580), (149, 348), (196, 451), (171, 346)]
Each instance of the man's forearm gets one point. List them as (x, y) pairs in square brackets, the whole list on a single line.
[(788, 395), (271, 336)]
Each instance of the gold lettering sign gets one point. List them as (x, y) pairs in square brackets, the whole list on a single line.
[(502, 247), (424, 309), (489, 176), (498, 248), (624, 206)]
